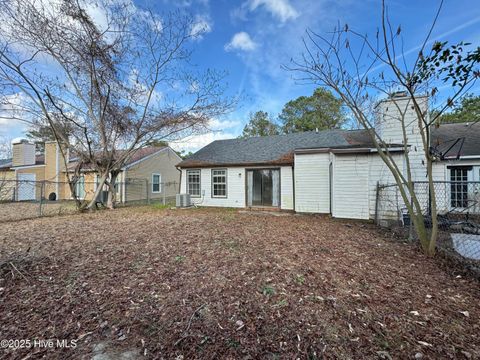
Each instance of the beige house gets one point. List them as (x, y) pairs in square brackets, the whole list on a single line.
[(150, 174)]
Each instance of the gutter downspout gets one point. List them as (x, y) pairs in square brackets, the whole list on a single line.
[(330, 182), (179, 185), (293, 181)]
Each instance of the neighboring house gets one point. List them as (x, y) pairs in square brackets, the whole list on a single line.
[(45, 176), (333, 171)]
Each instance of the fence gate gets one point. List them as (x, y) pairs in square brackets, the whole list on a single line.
[(26, 187)]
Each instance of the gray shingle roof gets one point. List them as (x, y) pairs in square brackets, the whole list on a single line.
[(445, 136), (279, 149), (276, 149), (5, 163)]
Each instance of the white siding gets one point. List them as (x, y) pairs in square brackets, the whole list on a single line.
[(350, 187), (236, 186), (379, 172), (442, 173), (439, 171), (312, 183), (286, 188), (389, 127)]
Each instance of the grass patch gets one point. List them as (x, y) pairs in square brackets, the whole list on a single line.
[(300, 279), (160, 206), (268, 290)]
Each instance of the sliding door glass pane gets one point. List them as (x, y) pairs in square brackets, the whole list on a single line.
[(267, 187), (257, 188)]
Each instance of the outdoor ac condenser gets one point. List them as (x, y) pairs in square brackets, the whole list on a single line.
[(183, 200)]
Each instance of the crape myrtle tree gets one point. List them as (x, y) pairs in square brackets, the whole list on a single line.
[(116, 76), (360, 69)]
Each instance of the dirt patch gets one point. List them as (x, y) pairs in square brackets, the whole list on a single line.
[(207, 283)]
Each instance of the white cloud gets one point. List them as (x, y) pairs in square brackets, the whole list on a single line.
[(216, 124), (196, 142), (280, 9), (15, 115), (202, 25), (217, 131), (186, 3), (97, 14), (241, 41)]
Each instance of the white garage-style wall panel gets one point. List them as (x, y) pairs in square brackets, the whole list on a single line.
[(286, 188), (26, 187), (312, 183), (381, 174), (350, 187)]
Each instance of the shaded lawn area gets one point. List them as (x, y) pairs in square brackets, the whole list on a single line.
[(207, 283)]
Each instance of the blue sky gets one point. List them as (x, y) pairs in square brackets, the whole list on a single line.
[(251, 39)]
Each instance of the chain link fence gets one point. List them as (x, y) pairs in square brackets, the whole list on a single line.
[(24, 199), (458, 208)]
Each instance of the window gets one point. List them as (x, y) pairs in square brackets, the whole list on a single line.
[(219, 183), (459, 187), (156, 183), (193, 182)]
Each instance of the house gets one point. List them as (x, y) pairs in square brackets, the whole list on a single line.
[(331, 172), (45, 176)]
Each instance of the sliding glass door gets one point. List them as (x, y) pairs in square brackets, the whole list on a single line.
[(263, 187)]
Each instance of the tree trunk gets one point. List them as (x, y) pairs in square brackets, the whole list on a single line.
[(433, 209), (93, 201), (112, 193)]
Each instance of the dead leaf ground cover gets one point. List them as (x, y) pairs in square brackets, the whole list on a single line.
[(14, 211), (222, 284)]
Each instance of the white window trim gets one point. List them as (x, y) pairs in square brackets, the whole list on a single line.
[(470, 178), (226, 184), (159, 183), (199, 182)]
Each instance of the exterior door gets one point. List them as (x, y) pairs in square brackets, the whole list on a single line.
[(263, 187), (26, 187)]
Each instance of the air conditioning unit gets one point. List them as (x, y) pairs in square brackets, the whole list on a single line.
[(183, 200)]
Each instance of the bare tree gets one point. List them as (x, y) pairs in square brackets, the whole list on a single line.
[(5, 147), (117, 82), (6, 181), (361, 69)]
